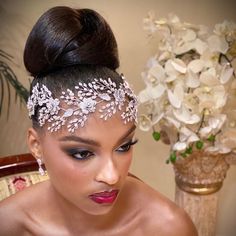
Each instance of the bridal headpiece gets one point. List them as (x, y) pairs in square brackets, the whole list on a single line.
[(72, 108)]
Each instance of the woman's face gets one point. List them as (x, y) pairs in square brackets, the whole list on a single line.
[(88, 168)]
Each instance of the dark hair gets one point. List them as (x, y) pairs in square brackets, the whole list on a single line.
[(68, 45)]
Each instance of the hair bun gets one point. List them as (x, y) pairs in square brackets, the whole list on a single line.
[(63, 37)]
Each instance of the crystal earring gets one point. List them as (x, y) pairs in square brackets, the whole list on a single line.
[(41, 170)]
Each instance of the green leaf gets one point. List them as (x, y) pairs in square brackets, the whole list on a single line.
[(9, 79), (9, 98), (156, 135), (183, 154), (189, 150), (211, 138), (6, 55), (173, 157), (199, 144)]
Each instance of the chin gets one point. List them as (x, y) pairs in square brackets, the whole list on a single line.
[(101, 210)]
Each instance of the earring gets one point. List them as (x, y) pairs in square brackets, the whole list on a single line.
[(41, 170)]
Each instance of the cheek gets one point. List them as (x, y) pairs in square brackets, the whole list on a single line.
[(63, 169), (129, 161), (126, 162)]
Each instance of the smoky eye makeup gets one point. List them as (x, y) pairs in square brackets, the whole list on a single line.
[(83, 153), (79, 153), (126, 146)]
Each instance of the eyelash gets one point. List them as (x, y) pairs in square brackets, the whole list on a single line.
[(127, 145), (86, 154)]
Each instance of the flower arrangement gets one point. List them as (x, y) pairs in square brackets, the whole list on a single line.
[(189, 98)]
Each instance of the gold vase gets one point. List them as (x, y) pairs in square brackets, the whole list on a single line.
[(201, 172)]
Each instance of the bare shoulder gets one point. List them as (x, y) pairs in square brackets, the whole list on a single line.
[(160, 216), (10, 216), (15, 211)]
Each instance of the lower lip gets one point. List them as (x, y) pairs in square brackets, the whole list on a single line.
[(104, 198)]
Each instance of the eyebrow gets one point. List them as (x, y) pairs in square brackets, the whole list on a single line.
[(91, 141), (130, 131)]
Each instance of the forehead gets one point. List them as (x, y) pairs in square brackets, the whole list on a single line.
[(96, 126), (99, 129)]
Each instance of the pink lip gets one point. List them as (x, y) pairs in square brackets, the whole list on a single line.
[(104, 197)]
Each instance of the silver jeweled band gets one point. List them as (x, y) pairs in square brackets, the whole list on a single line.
[(79, 104)]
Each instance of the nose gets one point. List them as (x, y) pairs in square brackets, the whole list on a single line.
[(108, 172)]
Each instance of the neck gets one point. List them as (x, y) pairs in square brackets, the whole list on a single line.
[(72, 217)]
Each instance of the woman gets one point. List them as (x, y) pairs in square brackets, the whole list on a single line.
[(83, 115)]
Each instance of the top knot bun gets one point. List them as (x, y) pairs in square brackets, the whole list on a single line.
[(67, 37)]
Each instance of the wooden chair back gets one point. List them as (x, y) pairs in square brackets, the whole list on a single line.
[(18, 172)]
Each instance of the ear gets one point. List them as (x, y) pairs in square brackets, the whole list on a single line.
[(34, 143)]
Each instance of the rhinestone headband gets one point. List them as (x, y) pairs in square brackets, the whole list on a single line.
[(78, 105)]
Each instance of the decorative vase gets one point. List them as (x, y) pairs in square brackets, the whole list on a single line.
[(199, 178), (201, 172)]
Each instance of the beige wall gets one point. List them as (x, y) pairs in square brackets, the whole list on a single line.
[(125, 18)]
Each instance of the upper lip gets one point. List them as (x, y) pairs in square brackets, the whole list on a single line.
[(106, 193)]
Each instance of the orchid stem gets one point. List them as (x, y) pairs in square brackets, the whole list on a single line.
[(202, 121)]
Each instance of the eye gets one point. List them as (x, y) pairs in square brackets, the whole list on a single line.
[(126, 147), (80, 154)]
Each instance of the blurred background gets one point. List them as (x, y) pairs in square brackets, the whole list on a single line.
[(126, 20)]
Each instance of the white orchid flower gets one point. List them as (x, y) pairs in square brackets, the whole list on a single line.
[(209, 77), (172, 20), (205, 131), (218, 149), (157, 118), (173, 121), (191, 102), (203, 31), (181, 49), (217, 44), (149, 23), (226, 74), (199, 45), (144, 123), (176, 97), (186, 136), (185, 116), (191, 79), (157, 72), (225, 28), (217, 121), (212, 98), (152, 62), (196, 66), (211, 59), (214, 124), (174, 68), (164, 56), (143, 96), (180, 146), (189, 35), (151, 93)]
